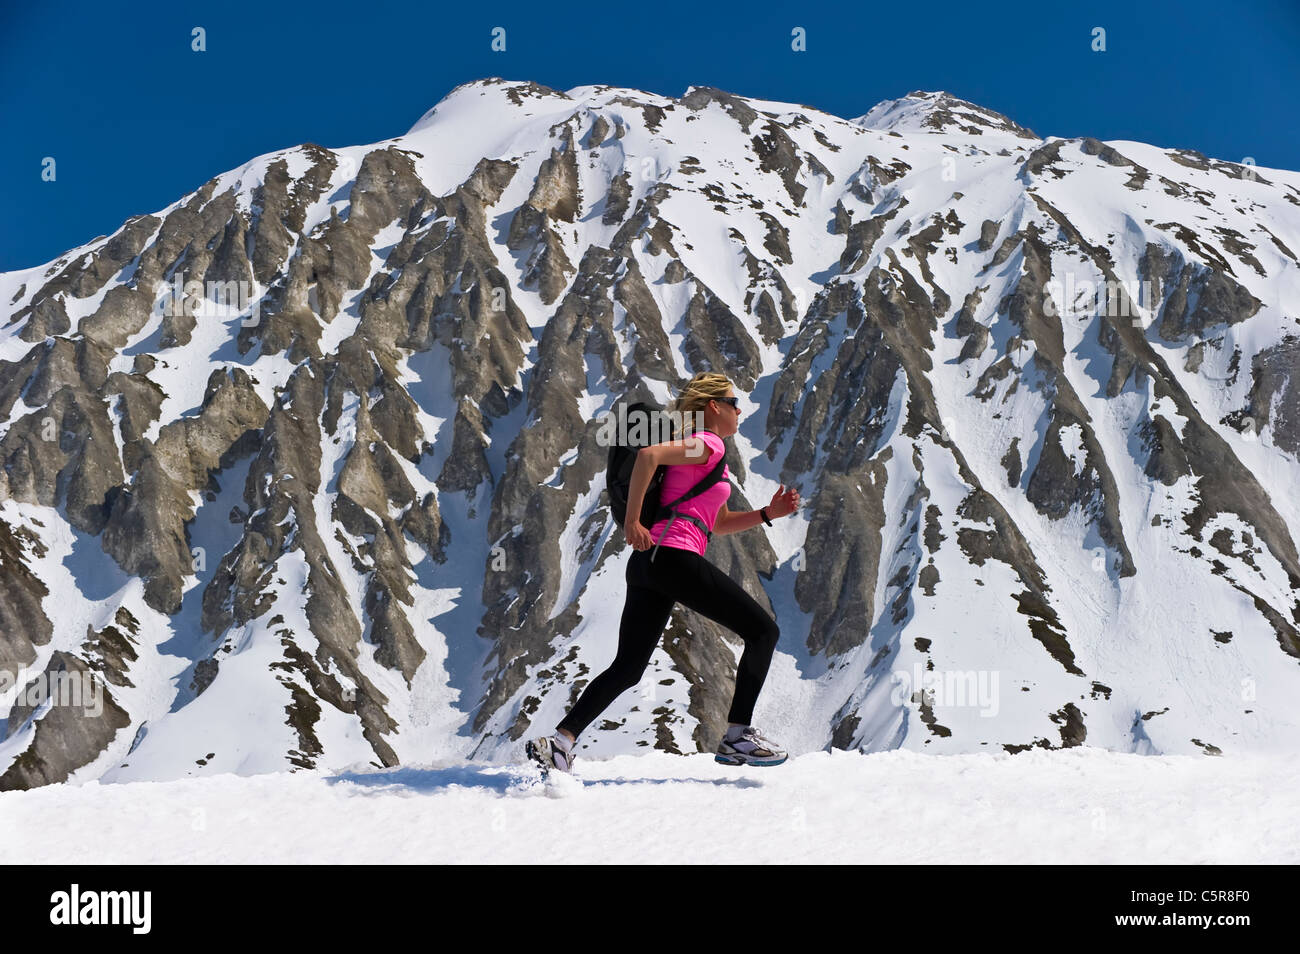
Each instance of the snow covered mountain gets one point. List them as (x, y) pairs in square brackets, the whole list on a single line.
[(342, 500)]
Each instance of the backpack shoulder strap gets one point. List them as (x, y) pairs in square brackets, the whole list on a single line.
[(703, 484)]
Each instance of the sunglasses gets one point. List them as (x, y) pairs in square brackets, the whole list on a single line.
[(733, 401)]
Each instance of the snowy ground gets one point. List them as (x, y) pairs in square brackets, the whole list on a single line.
[(1080, 805)]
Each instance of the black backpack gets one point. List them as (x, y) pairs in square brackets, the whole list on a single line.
[(646, 420)]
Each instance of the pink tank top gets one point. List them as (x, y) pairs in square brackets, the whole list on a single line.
[(678, 479)]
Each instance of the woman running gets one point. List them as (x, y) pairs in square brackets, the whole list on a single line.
[(675, 571)]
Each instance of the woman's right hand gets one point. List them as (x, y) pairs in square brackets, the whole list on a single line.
[(637, 535)]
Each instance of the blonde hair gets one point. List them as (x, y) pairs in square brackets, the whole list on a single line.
[(695, 396)]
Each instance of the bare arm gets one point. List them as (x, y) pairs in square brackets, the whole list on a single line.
[(784, 502), (729, 522)]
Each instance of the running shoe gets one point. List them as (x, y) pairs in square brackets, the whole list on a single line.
[(548, 755), (751, 748)]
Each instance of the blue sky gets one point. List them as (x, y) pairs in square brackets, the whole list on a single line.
[(134, 118)]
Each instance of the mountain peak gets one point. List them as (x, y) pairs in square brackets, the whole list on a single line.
[(939, 111), (513, 91)]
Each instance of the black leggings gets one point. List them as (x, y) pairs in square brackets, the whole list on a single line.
[(679, 576)]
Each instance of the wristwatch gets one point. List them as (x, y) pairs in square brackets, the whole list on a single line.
[(763, 513)]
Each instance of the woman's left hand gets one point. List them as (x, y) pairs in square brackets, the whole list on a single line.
[(784, 502)]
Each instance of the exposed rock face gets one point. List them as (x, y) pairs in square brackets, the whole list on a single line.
[(145, 531), (1196, 299), (1274, 399), (79, 723), (359, 515), (23, 626)]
